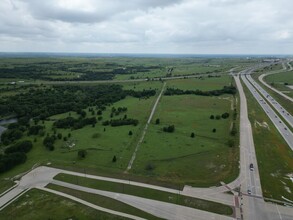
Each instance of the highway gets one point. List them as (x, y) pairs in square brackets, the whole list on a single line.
[(277, 121), (261, 79), (278, 107)]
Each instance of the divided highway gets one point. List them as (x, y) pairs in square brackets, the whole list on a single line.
[(278, 107), (277, 121)]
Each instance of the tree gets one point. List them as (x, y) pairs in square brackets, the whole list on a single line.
[(218, 117), (225, 115), (59, 136), (23, 146), (170, 129), (81, 153), (212, 117), (114, 159), (214, 130), (130, 133), (231, 143), (192, 135), (157, 121)]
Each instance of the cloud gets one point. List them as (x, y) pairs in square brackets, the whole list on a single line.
[(186, 26), (87, 11)]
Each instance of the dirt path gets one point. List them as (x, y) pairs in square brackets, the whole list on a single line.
[(145, 129)]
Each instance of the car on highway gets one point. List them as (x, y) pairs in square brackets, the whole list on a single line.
[(251, 167), (249, 192)]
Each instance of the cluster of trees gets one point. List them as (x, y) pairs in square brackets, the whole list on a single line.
[(117, 111), (170, 129), (73, 123), (44, 102), (9, 161), (218, 117), (11, 135), (23, 146), (14, 155), (226, 90), (49, 141), (146, 93), (85, 71), (35, 129), (121, 122)]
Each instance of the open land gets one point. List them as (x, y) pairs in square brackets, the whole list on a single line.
[(89, 114)]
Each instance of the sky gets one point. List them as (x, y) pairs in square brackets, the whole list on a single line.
[(147, 26)]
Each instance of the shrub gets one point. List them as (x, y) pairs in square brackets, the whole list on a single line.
[(81, 153)]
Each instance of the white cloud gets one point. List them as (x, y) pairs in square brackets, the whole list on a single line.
[(187, 26)]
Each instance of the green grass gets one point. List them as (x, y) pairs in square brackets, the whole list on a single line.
[(173, 154), (273, 154), (204, 83), (5, 185), (147, 193), (37, 204), (278, 81), (103, 201), (101, 145)]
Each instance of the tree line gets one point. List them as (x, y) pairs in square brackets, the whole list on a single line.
[(226, 90)]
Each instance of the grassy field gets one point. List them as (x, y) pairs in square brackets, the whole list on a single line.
[(147, 193), (173, 155), (101, 145), (37, 204), (273, 154), (177, 152), (278, 81), (75, 68), (170, 156), (203, 83), (104, 202)]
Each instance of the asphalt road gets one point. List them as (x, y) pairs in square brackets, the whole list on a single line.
[(260, 78), (41, 176), (278, 107)]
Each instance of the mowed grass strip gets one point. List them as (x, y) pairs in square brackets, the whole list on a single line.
[(274, 157), (37, 204), (204, 160), (147, 193), (103, 201)]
